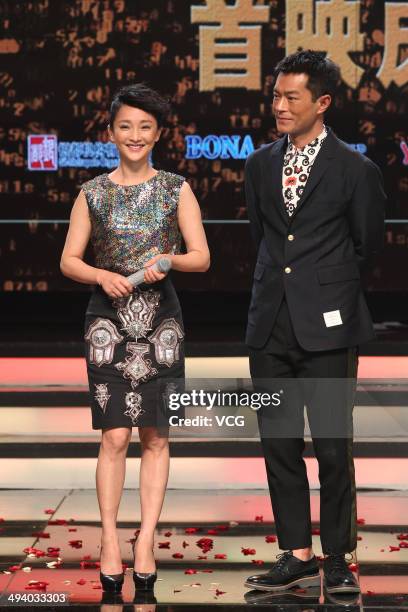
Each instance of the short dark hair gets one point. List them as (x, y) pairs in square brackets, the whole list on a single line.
[(139, 95), (324, 75)]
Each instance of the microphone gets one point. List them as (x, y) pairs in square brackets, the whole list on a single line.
[(162, 265)]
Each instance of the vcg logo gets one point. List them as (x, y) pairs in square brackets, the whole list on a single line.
[(218, 147)]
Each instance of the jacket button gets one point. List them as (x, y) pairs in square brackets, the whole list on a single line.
[(288, 270), (291, 237)]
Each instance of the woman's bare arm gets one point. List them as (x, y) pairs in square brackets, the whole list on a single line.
[(72, 264)]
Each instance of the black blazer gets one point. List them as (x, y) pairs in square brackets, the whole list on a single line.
[(314, 258)]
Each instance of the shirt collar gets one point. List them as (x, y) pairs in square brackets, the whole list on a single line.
[(316, 142)]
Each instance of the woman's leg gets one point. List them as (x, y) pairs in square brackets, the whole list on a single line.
[(110, 477), (154, 472)]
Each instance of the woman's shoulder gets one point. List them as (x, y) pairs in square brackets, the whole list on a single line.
[(95, 183), (171, 180)]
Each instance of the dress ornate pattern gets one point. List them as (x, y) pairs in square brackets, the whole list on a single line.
[(135, 341)]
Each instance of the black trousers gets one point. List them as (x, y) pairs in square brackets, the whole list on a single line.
[(329, 409)]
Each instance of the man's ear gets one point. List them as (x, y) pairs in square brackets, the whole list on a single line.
[(324, 103)]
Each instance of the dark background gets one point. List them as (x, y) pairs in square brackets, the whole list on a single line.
[(60, 81)]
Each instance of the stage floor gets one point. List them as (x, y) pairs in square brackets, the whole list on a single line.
[(233, 520), (49, 512)]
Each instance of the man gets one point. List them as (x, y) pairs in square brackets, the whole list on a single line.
[(316, 209)]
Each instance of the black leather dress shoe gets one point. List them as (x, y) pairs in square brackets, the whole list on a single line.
[(337, 576), (287, 572)]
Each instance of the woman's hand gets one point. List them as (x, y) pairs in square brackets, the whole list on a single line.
[(150, 275), (115, 285)]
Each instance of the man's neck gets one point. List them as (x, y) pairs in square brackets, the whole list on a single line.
[(301, 140)]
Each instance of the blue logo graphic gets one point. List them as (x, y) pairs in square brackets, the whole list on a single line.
[(218, 147)]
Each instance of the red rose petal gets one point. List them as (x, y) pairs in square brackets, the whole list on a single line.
[(190, 571), (86, 558), (72, 529), (30, 550), (185, 544), (315, 531), (49, 511), (258, 561), (360, 521), (201, 557), (218, 592), (97, 586), (212, 532), (14, 568), (191, 530), (402, 536), (81, 582), (58, 522), (394, 548), (37, 585), (220, 556), (353, 567), (178, 556), (88, 564), (207, 571), (370, 593), (164, 544), (259, 518), (248, 551), (222, 527), (403, 545), (167, 534), (75, 543), (206, 544), (270, 538), (359, 538)]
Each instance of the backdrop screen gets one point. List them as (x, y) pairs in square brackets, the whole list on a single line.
[(62, 61)]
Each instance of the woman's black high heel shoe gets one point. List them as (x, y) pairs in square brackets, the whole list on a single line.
[(143, 581), (111, 583)]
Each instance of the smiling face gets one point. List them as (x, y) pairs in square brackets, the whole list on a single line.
[(295, 111), (134, 132)]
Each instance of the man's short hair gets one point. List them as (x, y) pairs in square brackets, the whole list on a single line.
[(324, 75)]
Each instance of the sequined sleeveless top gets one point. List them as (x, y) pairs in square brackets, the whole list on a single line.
[(133, 223)]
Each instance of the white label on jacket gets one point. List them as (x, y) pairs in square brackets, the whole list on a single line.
[(332, 318)]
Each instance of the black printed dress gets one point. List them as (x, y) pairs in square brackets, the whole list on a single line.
[(133, 344)]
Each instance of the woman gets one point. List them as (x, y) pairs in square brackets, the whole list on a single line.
[(133, 216)]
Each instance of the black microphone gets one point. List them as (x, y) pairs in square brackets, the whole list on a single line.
[(162, 265)]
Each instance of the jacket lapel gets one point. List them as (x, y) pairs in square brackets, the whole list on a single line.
[(322, 162), (277, 155)]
